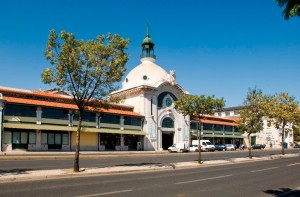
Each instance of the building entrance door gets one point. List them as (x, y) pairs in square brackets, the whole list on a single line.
[(167, 140)]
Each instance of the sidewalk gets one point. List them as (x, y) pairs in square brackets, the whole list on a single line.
[(21, 175), (28, 155)]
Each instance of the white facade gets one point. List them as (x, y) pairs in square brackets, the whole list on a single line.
[(152, 92), (270, 136)]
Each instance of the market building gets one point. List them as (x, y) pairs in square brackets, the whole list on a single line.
[(145, 119)]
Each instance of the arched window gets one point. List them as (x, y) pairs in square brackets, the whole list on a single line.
[(161, 97), (168, 123)]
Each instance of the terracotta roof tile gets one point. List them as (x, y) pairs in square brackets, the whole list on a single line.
[(39, 103), (65, 106)]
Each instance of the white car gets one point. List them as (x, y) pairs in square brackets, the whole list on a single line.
[(230, 146), (193, 148)]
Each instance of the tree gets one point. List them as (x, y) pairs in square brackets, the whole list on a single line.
[(88, 70), (296, 131), (283, 110), (251, 115), (291, 8), (198, 106)]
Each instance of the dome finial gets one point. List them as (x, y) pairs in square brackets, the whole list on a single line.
[(147, 30), (147, 45)]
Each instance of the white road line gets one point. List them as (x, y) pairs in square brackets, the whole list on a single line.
[(264, 169), (217, 177), (107, 193)]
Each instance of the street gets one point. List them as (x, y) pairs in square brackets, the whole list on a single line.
[(127, 159), (279, 177)]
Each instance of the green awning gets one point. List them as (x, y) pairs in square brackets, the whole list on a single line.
[(67, 128)]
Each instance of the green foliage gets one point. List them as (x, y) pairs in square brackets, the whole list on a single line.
[(252, 113), (85, 69), (283, 109), (296, 131), (88, 70), (198, 106), (291, 8)]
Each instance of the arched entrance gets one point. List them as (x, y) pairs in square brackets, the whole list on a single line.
[(167, 133)]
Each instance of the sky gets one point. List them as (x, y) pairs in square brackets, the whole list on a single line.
[(218, 47)]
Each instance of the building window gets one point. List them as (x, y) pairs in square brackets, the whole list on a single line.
[(218, 127), (110, 118), (161, 97), (168, 123), (128, 120), (228, 128), (44, 138), (207, 127), (7, 137), (65, 139), (194, 125), (53, 113), (32, 137), (87, 117), (19, 110)]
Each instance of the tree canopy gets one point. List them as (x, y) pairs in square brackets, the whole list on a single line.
[(283, 110), (251, 114), (291, 8), (198, 106), (88, 70)]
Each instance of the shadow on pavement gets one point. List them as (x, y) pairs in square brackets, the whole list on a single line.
[(14, 171), (149, 163), (284, 192)]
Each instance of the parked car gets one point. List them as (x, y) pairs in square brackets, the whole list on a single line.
[(179, 147), (206, 145), (193, 148), (230, 146), (258, 146), (297, 146), (220, 147)]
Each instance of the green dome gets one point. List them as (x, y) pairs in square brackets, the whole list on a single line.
[(147, 46), (147, 40)]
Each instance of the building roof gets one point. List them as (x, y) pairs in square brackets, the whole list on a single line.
[(147, 73), (46, 99), (209, 119)]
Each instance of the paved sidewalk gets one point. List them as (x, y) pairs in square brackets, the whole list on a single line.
[(20, 175)]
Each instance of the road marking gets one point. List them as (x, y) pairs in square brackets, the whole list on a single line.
[(293, 164), (264, 169), (198, 180), (107, 193)]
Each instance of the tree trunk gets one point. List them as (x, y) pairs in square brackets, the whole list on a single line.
[(199, 145), (76, 159), (282, 139), (249, 148)]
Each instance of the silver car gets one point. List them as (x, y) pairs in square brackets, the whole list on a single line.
[(230, 146)]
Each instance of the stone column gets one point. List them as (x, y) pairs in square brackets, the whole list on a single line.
[(39, 115), (122, 122), (38, 140)]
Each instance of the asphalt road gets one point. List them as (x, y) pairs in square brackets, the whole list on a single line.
[(279, 177), (129, 159)]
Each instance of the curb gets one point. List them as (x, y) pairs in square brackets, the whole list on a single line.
[(68, 173)]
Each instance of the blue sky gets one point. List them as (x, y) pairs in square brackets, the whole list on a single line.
[(216, 47)]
